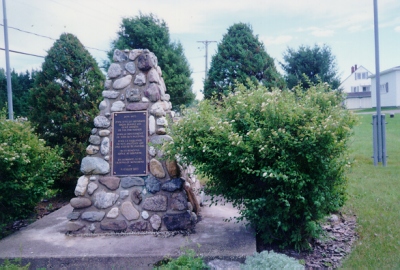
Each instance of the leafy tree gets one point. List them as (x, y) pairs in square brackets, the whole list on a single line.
[(279, 156), (149, 32), (64, 100), (240, 56), (21, 83), (310, 65)]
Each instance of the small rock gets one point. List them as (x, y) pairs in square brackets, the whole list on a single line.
[(119, 56), (113, 213), (118, 106), (74, 226), (123, 194), (156, 168), (111, 182), (145, 215), (101, 122), (104, 132), (91, 188), (140, 79), (80, 202), (94, 165), (175, 222), (114, 70), (145, 62), (155, 222), (105, 146), (129, 211), (93, 216), (81, 186), (110, 94), (139, 226), (113, 225), (92, 149), (155, 203), (131, 181), (136, 196), (123, 82), (104, 200), (94, 139), (137, 106), (130, 67), (74, 215), (133, 95), (152, 184)]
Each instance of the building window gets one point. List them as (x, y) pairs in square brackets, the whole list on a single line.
[(366, 88), (384, 88), (361, 75), (354, 89)]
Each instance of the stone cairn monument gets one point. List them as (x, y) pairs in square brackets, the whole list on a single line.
[(126, 184)]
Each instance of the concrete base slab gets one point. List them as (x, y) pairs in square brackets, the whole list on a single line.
[(44, 244)]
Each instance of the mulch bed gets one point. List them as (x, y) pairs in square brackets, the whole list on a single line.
[(327, 253)]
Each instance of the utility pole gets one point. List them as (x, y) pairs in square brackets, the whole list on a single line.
[(378, 120), (9, 89), (206, 42)]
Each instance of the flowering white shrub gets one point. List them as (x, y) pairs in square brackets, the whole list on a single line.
[(279, 155), (28, 168)]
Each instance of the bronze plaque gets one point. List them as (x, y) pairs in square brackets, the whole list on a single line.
[(129, 146)]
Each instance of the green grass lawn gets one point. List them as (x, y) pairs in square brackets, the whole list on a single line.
[(374, 196)]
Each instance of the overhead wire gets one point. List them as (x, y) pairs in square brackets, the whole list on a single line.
[(39, 35), (30, 54)]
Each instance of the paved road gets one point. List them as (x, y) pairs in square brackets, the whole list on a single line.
[(386, 112)]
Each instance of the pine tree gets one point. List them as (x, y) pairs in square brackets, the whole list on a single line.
[(240, 56), (64, 100), (149, 32)]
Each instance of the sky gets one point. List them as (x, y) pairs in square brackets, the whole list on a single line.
[(347, 27)]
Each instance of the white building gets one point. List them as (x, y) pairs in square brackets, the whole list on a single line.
[(389, 88), (358, 88)]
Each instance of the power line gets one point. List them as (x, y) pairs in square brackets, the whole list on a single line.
[(29, 32), (24, 31), (23, 53)]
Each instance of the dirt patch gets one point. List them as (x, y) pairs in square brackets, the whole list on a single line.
[(327, 253), (42, 209)]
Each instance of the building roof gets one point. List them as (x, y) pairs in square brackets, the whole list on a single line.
[(358, 94), (387, 71), (353, 73)]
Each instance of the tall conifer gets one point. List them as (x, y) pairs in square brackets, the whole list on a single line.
[(240, 56), (64, 100)]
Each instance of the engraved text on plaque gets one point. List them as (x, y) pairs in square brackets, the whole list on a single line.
[(129, 143)]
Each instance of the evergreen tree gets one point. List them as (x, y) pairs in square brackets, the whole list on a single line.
[(240, 56), (21, 83), (3, 88), (64, 100), (149, 32), (310, 65)]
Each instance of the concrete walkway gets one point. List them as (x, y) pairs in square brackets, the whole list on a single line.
[(45, 245)]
